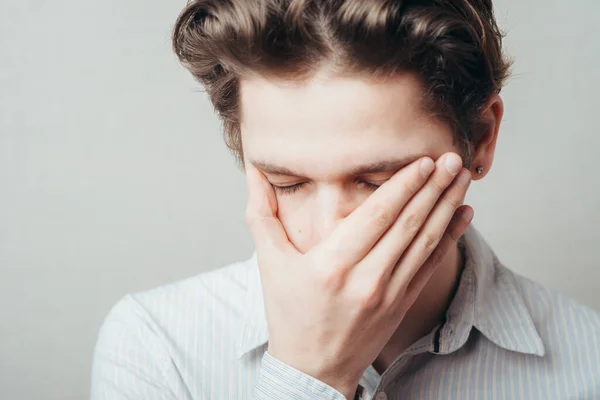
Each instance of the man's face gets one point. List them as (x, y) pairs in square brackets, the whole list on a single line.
[(326, 144)]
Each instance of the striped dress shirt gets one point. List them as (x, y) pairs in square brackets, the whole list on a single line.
[(504, 337)]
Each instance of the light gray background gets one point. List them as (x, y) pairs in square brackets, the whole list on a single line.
[(114, 177)]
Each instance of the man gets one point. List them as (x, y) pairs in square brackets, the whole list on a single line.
[(360, 125)]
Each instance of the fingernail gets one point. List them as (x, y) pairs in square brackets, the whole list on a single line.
[(467, 214), (453, 164), (427, 167)]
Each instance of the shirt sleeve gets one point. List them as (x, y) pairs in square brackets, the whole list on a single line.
[(130, 361), (279, 381)]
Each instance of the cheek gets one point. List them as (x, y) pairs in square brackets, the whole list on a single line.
[(296, 216)]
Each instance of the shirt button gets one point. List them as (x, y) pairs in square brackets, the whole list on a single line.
[(381, 396)]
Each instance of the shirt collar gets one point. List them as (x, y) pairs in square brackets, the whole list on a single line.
[(488, 298)]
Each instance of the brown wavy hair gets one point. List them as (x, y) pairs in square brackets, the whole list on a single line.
[(453, 46)]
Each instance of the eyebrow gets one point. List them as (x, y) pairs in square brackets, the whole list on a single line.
[(370, 168)]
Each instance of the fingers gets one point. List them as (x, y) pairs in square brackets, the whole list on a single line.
[(431, 234), (356, 235), (456, 229), (261, 214), (395, 241)]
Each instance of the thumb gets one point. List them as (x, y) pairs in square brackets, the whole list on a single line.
[(261, 214)]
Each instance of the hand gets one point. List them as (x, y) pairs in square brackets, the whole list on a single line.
[(331, 310)]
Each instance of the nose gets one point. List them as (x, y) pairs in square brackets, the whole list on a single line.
[(332, 206)]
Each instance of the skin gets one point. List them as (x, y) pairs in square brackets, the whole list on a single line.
[(356, 256)]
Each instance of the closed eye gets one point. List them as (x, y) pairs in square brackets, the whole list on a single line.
[(288, 189), (291, 189), (369, 185)]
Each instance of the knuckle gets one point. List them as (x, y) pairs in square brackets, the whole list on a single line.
[(380, 216), (331, 278), (438, 186), (388, 302), (412, 186), (411, 223), (452, 200), (369, 296), (435, 259), (393, 298), (400, 294), (430, 241)]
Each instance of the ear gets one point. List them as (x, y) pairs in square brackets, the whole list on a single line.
[(484, 148)]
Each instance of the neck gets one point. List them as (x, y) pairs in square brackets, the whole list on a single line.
[(428, 310)]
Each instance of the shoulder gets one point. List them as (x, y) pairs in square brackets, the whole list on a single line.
[(177, 314), (570, 331), (220, 290), (553, 309), (157, 342)]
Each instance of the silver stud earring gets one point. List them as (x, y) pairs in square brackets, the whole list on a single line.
[(479, 170)]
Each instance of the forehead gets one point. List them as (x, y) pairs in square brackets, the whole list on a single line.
[(329, 122)]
